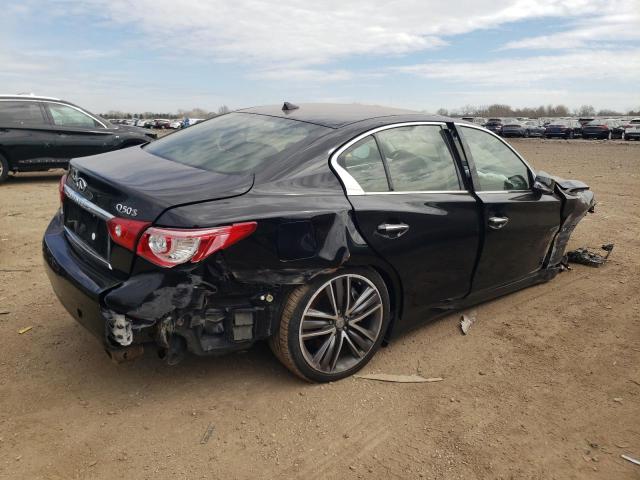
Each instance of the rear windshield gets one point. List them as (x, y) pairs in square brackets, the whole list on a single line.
[(236, 142)]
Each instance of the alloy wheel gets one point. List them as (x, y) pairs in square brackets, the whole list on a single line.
[(341, 323)]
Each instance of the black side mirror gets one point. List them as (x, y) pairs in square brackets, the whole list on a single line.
[(544, 184)]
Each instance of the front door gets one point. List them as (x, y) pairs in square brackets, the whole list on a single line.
[(25, 134), (414, 212), (77, 134), (519, 223)]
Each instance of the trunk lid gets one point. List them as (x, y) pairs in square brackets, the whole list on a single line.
[(132, 183)]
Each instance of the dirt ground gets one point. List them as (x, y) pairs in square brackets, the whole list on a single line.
[(546, 385)]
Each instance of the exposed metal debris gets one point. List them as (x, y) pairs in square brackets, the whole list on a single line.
[(586, 257)]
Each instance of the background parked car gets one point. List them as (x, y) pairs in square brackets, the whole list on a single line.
[(562, 129), (495, 125), (161, 123), (522, 129), (632, 129), (175, 124), (607, 128), (40, 133)]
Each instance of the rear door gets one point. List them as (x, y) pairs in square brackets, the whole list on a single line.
[(77, 133), (412, 208), (24, 134), (519, 223)]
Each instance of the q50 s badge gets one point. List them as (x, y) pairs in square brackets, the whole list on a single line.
[(132, 212)]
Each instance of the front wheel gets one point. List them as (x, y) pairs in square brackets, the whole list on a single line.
[(333, 326)]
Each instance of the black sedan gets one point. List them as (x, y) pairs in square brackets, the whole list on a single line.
[(326, 229), (603, 128), (40, 133), (562, 129), (494, 125), (522, 129)]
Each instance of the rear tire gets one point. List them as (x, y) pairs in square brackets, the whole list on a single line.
[(4, 169), (323, 340)]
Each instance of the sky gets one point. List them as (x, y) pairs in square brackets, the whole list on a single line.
[(165, 55)]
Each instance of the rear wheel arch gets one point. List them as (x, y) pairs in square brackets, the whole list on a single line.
[(394, 288)]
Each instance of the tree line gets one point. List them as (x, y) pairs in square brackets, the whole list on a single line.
[(501, 110), (495, 110), (193, 113)]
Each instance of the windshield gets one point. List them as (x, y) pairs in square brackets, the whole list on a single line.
[(597, 122), (236, 142)]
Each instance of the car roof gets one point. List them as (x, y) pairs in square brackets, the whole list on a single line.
[(336, 115), (27, 97)]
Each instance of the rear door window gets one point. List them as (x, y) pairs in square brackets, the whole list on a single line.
[(363, 162), (26, 113), (418, 159)]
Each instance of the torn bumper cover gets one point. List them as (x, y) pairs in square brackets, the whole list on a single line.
[(156, 306)]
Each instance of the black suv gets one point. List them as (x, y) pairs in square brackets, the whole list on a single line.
[(40, 133)]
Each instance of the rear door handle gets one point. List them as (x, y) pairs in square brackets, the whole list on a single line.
[(393, 230), (498, 222)]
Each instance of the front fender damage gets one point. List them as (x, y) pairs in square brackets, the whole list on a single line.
[(577, 201)]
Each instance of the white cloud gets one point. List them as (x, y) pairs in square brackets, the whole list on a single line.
[(618, 23), (304, 33), (618, 65)]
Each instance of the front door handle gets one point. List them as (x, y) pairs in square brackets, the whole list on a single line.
[(498, 222), (393, 230)]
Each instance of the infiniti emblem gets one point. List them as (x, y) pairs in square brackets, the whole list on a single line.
[(81, 184)]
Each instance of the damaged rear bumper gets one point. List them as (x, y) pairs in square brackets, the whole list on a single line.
[(175, 310)]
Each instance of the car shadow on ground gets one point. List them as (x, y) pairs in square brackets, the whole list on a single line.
[(256, 366)]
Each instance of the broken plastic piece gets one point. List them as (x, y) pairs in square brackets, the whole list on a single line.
[(207, 434), (631, 459), (585, 257), (387, 377), (467, 320), (289, 106)]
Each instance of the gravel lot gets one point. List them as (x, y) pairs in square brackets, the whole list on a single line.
[(546, 385)]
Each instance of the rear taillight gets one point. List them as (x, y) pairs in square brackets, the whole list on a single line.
[(63, 181), (168, 247), (125, 232)]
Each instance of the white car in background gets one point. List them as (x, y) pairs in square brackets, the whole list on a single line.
[(175, 124), (632, 129)]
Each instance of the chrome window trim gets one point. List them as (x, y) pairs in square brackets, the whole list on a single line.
[(86, 204), (351, 185), (77, 241), (52, 100), (515, 152), (404, 192)]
